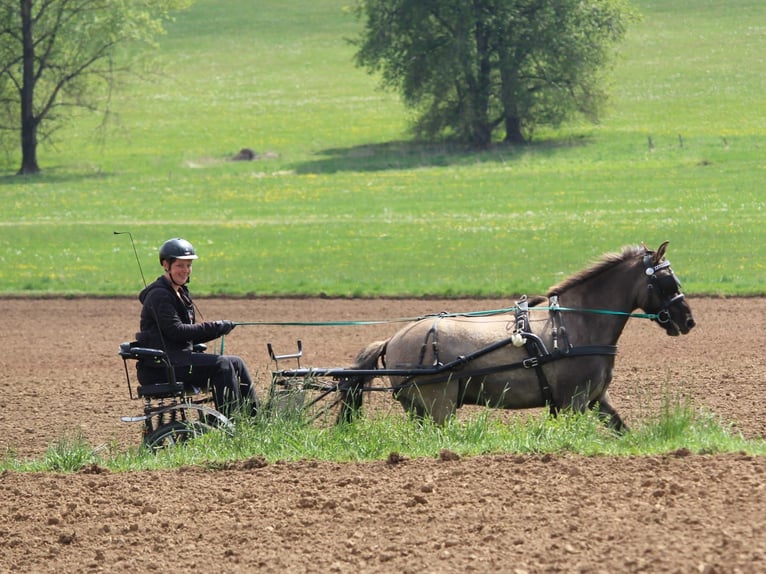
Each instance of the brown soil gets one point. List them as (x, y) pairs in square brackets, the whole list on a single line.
[(678, 512)]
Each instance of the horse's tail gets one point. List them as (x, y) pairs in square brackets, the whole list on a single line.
[(352, 387)]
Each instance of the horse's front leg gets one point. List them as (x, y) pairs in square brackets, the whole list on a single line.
[(608, 413), (436, 401), (439, 400)]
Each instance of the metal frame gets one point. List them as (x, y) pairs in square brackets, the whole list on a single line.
[(169, 402)]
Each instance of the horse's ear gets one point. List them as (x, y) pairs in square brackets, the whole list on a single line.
[(660, 252)]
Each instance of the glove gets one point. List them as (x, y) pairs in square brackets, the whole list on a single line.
[(226, 327)]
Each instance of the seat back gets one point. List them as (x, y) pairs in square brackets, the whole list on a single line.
[(156, 360)]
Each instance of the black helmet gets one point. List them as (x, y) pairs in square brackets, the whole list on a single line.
[(176, 249)]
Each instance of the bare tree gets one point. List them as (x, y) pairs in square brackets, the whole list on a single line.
[(57, 55)]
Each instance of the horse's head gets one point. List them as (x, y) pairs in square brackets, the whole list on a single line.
[(663, 296)]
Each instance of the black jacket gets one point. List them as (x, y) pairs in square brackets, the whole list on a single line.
[(167, 321)]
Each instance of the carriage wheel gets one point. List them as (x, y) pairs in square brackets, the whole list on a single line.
[(173, 433)]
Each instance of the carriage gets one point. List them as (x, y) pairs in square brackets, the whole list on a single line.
[(173, 410), (555, 351)]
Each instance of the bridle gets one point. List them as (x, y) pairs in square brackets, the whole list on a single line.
[(666, 285)]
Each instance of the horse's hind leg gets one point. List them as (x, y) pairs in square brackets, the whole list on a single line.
[(352, 397), (608, 413)]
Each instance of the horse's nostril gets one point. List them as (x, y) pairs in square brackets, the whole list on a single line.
[(690, 323)]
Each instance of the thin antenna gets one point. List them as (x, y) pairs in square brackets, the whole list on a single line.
[(129, 234), (154, 311)]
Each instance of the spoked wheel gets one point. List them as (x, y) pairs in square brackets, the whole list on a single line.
[(173, 433)]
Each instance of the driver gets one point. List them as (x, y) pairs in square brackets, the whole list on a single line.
[(168, 323)]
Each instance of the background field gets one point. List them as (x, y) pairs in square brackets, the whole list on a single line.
[(339, 203)]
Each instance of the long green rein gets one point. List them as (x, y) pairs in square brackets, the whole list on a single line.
[(486, 313)]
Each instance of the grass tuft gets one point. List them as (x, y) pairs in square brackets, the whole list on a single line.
[(678, 427)]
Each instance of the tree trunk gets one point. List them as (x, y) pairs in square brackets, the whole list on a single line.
[(482, 135), (28, 147), (513, 133), (27, 95), (508, 85), (481, 128)]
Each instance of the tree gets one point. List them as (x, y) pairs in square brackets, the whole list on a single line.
[(56, 55), (469, 68)]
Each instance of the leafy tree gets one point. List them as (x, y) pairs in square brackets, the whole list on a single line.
[(470, 68), (57, 55)]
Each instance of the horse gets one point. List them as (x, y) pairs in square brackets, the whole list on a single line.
[(556, 351)]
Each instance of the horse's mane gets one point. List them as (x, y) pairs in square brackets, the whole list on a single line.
[(604, 263)]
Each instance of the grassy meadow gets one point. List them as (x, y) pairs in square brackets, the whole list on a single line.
[(340, 202)]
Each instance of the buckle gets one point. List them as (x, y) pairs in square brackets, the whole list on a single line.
[(530, 363), (663, 316)]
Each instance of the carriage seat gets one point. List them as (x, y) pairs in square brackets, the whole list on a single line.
[(131, 350), (165, 383)]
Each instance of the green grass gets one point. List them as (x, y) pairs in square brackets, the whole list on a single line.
[(679, 427), (344, 205)]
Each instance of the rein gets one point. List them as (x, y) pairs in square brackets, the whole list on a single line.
[(488, 313)]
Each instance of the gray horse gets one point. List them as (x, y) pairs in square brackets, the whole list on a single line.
[(556, 351)]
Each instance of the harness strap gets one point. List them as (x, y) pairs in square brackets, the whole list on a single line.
[(433, 334), (539, 355), (545, 387), (533, 362), (533, 349)]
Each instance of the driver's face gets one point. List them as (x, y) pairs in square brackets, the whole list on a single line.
[(179, 271)]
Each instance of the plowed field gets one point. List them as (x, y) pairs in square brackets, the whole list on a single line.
[(677, 512)]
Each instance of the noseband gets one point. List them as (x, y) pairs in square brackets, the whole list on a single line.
[(667, 286)]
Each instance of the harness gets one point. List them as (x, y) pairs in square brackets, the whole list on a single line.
[(522, 335), (667, 287), (539, 355)]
